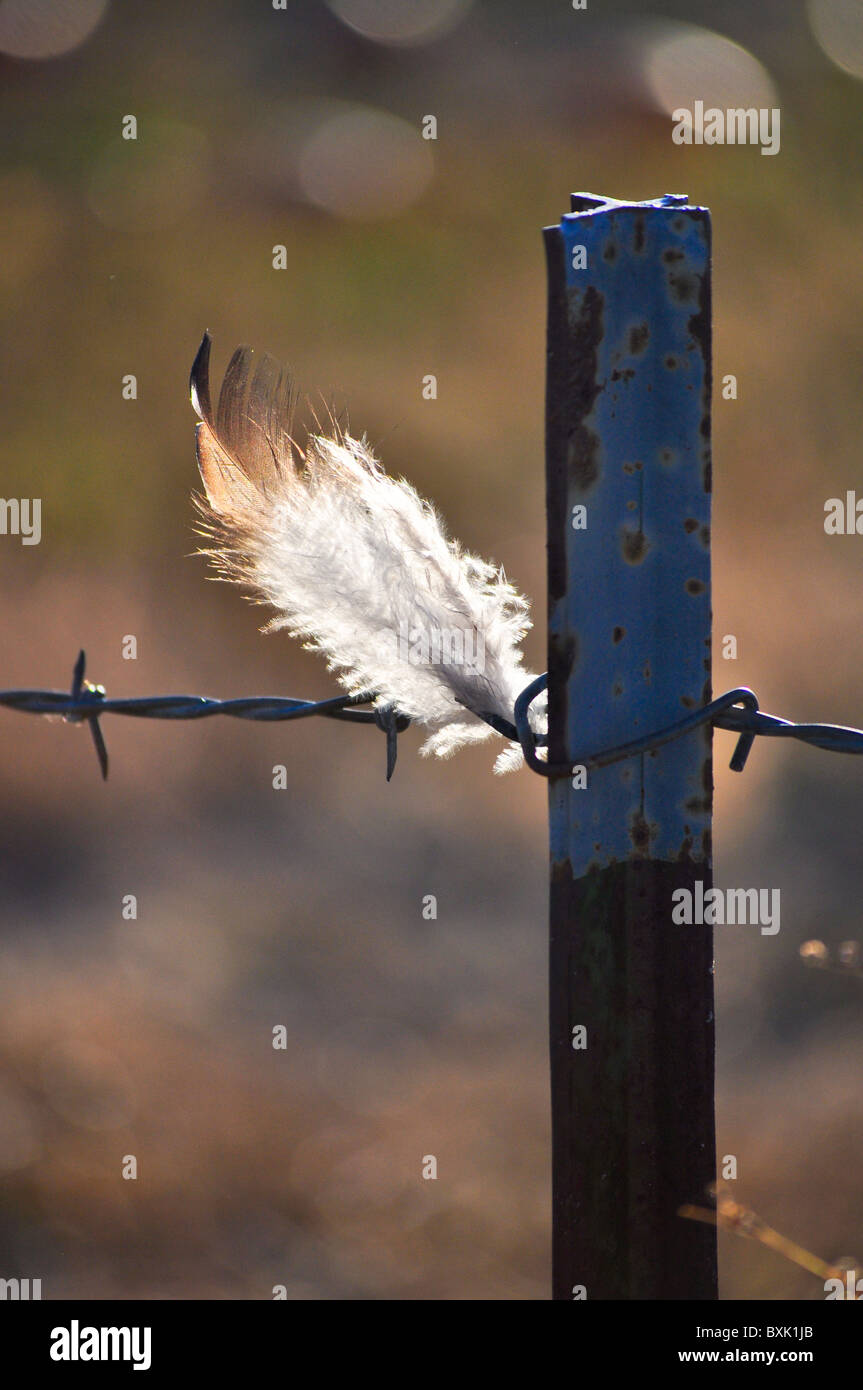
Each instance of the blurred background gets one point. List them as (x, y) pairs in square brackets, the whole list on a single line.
[(304, 908)]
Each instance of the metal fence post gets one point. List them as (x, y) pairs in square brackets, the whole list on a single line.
[(628, 490)]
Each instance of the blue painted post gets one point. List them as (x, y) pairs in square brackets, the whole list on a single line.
[(628, 488)]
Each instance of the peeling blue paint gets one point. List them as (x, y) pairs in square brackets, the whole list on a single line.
[(632, 621)]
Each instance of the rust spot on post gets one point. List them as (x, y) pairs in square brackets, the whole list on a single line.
[(634, 546), (640, 834), (639, 336), (683, 287), (586, 330)]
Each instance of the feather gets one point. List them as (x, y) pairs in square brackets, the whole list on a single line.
[(355, 562)]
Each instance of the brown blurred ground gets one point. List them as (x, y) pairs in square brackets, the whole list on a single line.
[(304, 908)]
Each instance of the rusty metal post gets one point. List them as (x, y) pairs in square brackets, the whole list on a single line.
[(628, 488)]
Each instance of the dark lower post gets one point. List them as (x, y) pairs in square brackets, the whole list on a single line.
[(628, 486)]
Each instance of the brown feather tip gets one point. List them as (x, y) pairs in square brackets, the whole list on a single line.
[(247, 445), (199, 381)]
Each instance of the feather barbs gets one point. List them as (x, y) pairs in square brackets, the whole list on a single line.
[(355, 562)]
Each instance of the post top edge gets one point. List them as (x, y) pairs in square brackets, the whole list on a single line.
[(586, 204)]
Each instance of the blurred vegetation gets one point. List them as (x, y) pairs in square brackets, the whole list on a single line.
[(256, 908)]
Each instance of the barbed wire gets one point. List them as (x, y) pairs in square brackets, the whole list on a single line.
[(737, 711), (88, 702)]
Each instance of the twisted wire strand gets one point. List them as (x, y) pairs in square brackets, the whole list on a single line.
[(86, 702), (737, 711)]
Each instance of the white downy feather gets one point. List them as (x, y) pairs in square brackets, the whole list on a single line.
[(356, 563)]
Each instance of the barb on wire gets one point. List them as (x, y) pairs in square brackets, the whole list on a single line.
[(736, 710), (89, 702)]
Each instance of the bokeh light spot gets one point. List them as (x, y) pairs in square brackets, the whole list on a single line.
[(364, 164), (47, 28), (837, 26), (395, 22), (683, 64)]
